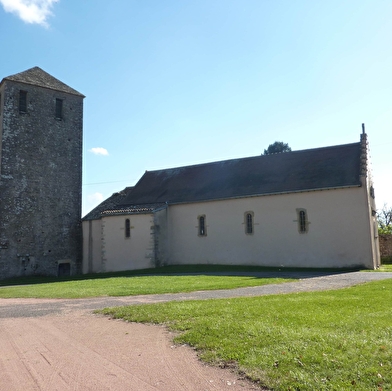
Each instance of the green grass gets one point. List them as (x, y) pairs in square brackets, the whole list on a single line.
[(164, 270), (385, 268), (333, 340), (133, 283), (386, 260)]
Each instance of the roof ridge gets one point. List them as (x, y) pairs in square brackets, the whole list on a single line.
[(252, 157), (327, 147)]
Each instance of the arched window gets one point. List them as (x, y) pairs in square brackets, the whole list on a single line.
[(202, 226), (303, 223), (127, 228), (249, 226)]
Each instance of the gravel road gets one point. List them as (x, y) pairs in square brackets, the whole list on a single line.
[(308, 281)]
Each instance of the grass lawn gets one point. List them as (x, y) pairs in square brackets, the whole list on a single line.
[(333, 340), (385, 268), (134, 283)]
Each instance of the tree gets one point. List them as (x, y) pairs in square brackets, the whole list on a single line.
[(384, 219), (277, 147)]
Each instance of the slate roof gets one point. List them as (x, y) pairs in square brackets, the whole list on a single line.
[(110, 206), (37, 77), (109, 203), (306, 170)]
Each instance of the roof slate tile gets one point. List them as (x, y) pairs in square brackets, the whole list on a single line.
[(296, 171), (36, 76), (312, 169)]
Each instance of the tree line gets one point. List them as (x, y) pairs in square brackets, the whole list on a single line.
[(384, 219)]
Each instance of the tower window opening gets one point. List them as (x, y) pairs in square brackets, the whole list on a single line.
[(59, 108), (22, 101)]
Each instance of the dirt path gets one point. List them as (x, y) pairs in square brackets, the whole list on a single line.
[(82, 351), (60, 345)]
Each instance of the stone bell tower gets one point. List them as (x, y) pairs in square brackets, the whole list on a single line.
[(41, 127)]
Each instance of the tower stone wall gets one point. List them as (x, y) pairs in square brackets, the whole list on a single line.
[(41, 176)]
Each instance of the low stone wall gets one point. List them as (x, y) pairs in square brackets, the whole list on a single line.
[(385, 245)]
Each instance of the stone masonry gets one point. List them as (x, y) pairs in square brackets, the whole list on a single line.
[(386, 246), (41, 175)]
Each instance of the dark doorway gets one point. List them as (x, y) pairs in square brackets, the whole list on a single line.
[(64, 270)]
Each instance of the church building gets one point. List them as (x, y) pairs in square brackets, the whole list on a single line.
[(41, 125), (312, 208)]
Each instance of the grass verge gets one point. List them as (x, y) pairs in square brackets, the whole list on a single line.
[(384, 267), (386, 261), (173, 280), (333, 340)]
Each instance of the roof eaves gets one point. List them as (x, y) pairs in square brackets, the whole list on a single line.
[(70, 92), (134, 209), (264, 194), (74, 92)]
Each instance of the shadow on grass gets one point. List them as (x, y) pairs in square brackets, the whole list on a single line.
[(178, 270), (386, 260)]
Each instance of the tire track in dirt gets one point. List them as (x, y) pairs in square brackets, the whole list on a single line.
[(75, 350), (80, 351), (13, 361)]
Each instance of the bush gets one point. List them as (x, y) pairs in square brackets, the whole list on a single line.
[(386, 260), (385, 230)]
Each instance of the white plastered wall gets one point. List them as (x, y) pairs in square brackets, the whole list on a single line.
[(338, 236), (111, 251), (121, 253)]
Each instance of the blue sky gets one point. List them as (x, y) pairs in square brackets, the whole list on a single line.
[(173, 83)]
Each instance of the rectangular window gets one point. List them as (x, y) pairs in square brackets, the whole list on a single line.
[(0, 105), (22, 101), (59, 108), (127, 228), (202, 231)]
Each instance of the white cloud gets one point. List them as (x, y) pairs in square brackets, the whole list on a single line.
[(99, 150), (91, 201), (95, 199), (30, 11)]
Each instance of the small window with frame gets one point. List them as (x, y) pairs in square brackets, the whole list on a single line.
[(59, 109), (127, 228), (22, 101), (302, 220), (202, 227), (249, 223)]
